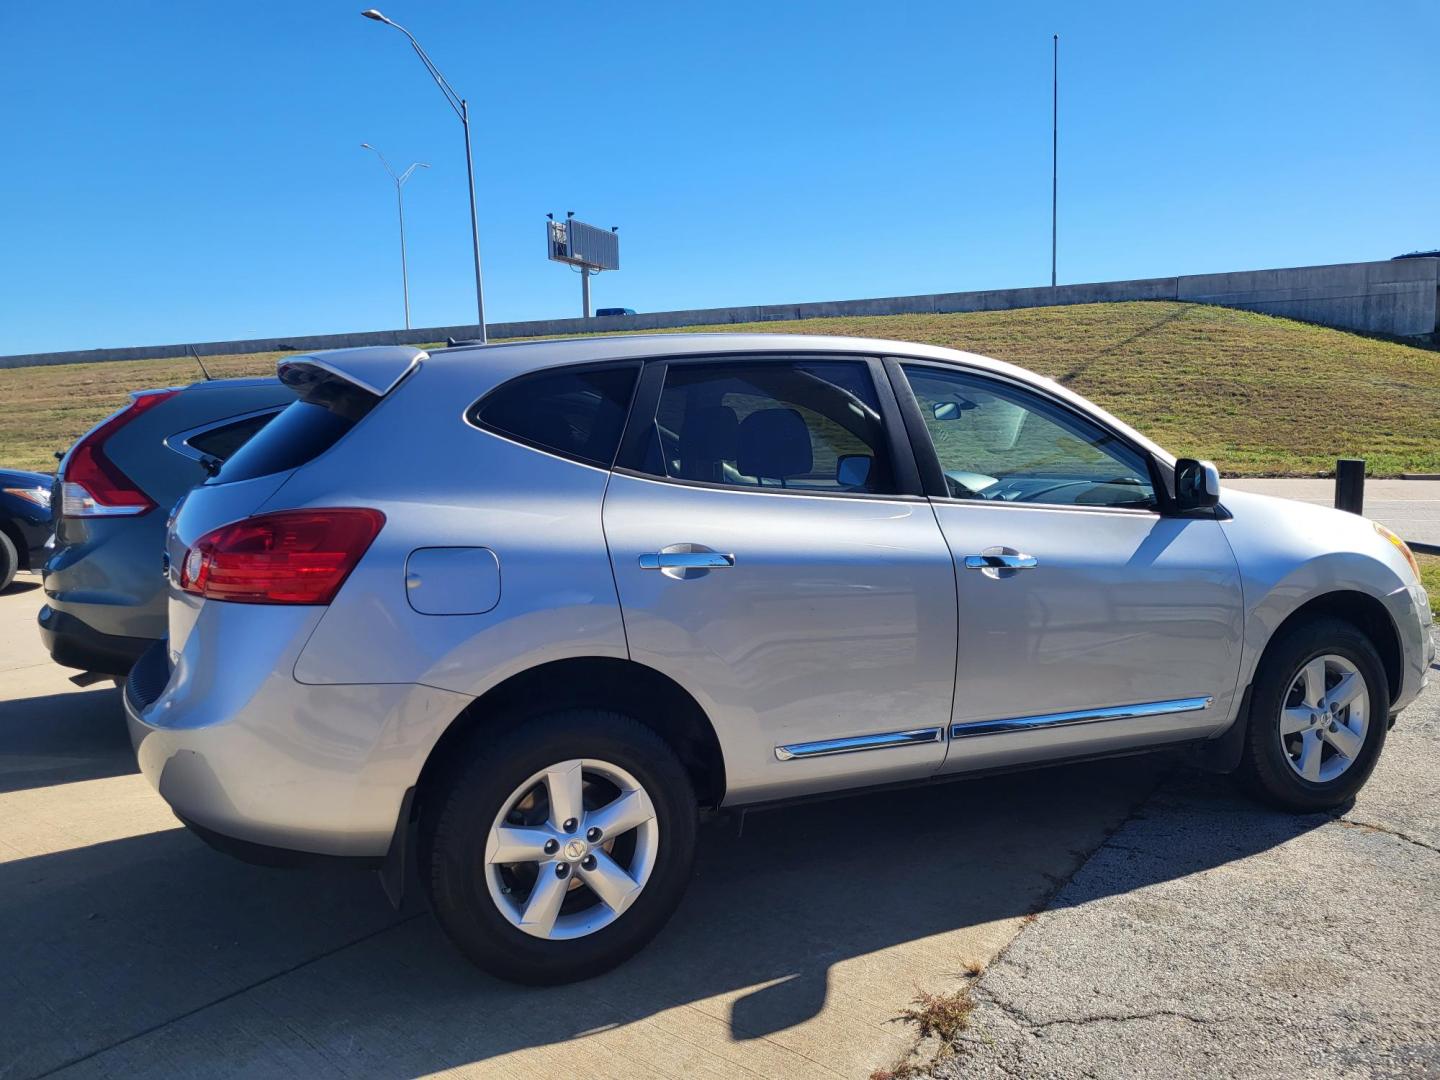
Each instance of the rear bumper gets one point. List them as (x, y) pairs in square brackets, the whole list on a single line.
[(267, 768), (72, 642)]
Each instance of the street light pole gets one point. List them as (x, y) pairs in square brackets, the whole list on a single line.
[(1054, 150), (400, 205), (462, 110)]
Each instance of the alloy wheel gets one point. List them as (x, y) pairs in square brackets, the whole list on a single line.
[(571, 849), (1324, 719)]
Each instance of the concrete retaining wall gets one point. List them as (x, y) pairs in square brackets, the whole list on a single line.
[(1397, 297)]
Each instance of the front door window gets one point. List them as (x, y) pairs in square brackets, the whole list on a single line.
[(1000, 443)]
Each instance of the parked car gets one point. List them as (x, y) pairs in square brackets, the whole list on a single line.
[(541, 601), (24, 521), (604, 311), (105, 595)]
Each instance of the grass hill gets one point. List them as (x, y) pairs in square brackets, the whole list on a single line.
[(1260, 396)]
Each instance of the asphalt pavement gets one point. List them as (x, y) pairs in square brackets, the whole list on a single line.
[(1210, 938)]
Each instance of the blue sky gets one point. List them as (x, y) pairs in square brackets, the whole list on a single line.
[(192, 171)]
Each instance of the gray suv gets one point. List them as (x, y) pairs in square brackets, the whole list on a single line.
[(103, 584), (519, 610)]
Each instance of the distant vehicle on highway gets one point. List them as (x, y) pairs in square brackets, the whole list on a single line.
[(24, 521), (104, 588), (541, 602), (604, 311)]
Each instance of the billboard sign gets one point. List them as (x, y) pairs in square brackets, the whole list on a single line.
[(579, 244)]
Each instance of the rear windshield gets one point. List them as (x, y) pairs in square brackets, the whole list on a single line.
[(301, 432)]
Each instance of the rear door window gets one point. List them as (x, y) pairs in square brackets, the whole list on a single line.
[(798, 426), (578, 414)]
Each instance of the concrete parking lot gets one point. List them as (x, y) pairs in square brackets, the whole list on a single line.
[(1182, 930)]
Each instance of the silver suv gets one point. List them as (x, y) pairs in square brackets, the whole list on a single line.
[(519, 610)]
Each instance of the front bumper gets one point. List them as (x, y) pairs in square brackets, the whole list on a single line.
[(249, 757)]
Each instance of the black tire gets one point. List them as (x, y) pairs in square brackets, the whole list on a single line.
[(455, 827), (9, 562), (1264, 767)]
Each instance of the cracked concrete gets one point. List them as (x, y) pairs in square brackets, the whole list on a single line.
[(1209, 937)]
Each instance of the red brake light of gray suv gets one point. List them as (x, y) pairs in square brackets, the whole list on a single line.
[(93, 485)]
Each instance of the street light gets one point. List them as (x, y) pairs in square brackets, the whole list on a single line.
[(462, 110), (400, 205)]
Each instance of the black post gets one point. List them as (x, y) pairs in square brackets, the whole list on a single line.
[(1350, 485)]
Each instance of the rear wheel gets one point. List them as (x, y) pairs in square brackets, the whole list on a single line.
[(9, 561), (1318, 714), (562, 847)]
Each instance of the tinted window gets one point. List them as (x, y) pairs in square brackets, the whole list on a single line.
[(579, 414), (1004, 444), (298, 433), (221, 442), (799, 426)]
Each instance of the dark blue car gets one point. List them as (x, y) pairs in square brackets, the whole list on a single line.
[(25, 521)]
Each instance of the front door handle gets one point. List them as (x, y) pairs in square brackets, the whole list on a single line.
[(686, 560), (1001, 561)]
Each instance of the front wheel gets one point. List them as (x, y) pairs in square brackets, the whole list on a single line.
[(1319, 710), (562, 847), (9, 561)]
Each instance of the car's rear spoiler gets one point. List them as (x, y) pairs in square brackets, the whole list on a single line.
[(376, 369), (349, 381)]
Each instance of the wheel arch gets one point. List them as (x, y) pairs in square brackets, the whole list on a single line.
[(1361, 610), (654, 699)]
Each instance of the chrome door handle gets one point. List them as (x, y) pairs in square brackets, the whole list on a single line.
[(1001, 562), (686, 560)]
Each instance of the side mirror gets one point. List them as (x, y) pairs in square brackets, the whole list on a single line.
[(853, 470), (1197, 484)]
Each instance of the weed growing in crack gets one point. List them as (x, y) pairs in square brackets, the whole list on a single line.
[(943, 1016)]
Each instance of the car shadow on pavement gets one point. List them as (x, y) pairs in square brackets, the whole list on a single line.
[(18, 586), (62, 738), (153, 954)]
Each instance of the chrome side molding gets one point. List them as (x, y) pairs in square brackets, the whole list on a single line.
[(826, 747), (1085, 716)]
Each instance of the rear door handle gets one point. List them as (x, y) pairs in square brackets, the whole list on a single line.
[(686, 560), (1001, 562)]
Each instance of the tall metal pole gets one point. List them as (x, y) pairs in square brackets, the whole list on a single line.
[(404, 270), (585, 291), (462, 110), (474, 226), (400, 206), (1054, 150)]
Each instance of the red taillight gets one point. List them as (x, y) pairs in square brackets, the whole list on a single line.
[(93, 485), (287, 557)]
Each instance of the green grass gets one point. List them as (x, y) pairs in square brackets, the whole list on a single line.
[(1430, 578), (1260, 396)]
